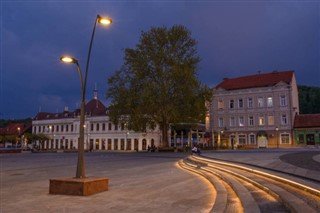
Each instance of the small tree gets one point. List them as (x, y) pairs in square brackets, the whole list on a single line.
[(157, 84)]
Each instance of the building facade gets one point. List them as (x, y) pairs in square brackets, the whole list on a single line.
[(307, 129), (254, 111), (62, 130)]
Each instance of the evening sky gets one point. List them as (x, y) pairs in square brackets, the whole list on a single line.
[(234, 38)]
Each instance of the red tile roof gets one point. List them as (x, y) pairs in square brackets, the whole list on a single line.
[(307, 120), (259, 80), (92, 108)]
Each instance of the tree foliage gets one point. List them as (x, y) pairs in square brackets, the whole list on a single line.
[(157, 84), (309, 99)]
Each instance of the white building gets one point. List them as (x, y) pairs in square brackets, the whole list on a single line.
[(100, 133)]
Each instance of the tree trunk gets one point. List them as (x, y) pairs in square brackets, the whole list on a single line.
[(164, 128)]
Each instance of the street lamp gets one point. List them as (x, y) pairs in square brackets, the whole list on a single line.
[(19, 137), (67, 59), (51, 142), (277, 137)]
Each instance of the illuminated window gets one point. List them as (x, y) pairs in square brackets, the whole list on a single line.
[(285, 138), (261, 120), (220, 104), (241, 121), (270, 120), (269, 102)]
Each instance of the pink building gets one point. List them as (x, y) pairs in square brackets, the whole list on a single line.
[(255, 111)]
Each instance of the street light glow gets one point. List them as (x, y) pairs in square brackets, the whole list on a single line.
[(104, 21), (68, 59)]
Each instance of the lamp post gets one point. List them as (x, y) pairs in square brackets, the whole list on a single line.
[(83, 82), (19, 137), (277, 137)]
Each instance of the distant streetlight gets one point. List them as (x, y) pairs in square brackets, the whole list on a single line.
[(19, 137), (50, 130), (277, 137), (67, 59)]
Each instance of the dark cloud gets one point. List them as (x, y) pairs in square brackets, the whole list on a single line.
[(234, 38)]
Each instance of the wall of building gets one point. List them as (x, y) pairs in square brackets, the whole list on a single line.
[(264, 110), (99, 134)]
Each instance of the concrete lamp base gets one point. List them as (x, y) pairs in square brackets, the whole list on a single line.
[(78, 186)]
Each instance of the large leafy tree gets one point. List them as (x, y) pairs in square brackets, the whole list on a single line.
[(157, 84)]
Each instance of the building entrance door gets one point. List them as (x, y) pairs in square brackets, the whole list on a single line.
[(310, 139)]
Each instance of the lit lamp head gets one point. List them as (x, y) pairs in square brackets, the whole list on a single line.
[(104, 20), (68, 59)]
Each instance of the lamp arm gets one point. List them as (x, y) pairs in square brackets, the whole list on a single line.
[(81, 81)]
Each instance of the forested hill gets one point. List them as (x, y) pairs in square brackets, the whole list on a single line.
[(4, 123), (309, 99)]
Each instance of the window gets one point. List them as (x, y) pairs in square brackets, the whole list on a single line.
[(220, 104), (260, 102), (250, 103), (240, 103), (270, 102), (71, 127), (242, 139), (261, 120), (57, 128), (301, 138), (232, 121), (283, 101), (284, 120), (220, 122), (62, 128), (231, 104), (91, 127), (252, 139), (251, 123), (285, 138), (270, 120), (241, 121), (98, 127), (103, 126), (109, 126)]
